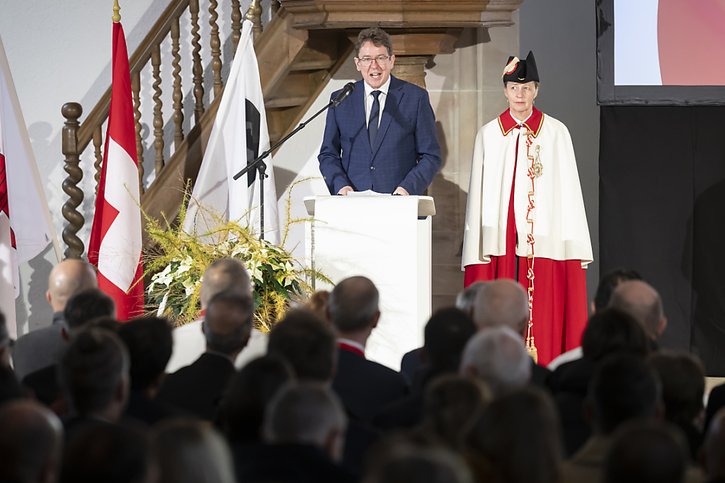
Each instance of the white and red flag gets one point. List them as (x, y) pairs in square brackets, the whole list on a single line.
[(26, 228), (115, 244)]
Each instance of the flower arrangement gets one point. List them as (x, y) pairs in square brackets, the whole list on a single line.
[(177, 260)]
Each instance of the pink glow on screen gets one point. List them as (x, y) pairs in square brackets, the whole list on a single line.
[(691, 39)]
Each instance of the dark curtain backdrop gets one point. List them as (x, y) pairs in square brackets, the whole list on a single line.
[(662, 212)]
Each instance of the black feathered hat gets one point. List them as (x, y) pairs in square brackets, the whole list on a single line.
[(521, 71)]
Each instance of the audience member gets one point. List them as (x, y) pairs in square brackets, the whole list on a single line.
[(108, 453), (244, 406), (452, 407), (199, 387), (317, 304), (606, 286), (31, 442), (624, 388), (445, 336), (304, 428), (714, 449), (419, 465), (646, 453), (307, 343), (413, 362), (42, 347), (94, 375), (148, 341), (518, 437), (505, 303), (223, 275), (81, 310), (364, 387), (189, 451), (498, 357), (641, 301), (683, 388), (608, 332)]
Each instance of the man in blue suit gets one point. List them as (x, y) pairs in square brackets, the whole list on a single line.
[(383, 137)]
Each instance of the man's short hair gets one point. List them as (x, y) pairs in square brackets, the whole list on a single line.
[(303, 413), (353, 304), (624, 388), (683, 385), (85, 306), (502, 302), (445, 336), (609, 282), (498, 357), (224, 275), (149, 343), (91, 369), (377, 36), (467, 297), (646, 453), (228, 322), (307, 343), (613, 331)]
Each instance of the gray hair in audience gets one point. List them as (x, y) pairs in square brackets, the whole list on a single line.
[(224, 275), (501, 302), (191, 451), (306, 413), (498, 357), (467, 297)]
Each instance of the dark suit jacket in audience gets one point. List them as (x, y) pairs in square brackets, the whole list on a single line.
[(365, 387), (199, 387), (410, 364), (286, 463), (44, 384), (39, 349)]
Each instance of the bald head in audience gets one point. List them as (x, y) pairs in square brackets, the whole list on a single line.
[(501, 303), (642, 301), (224, 275), (68, 278), (31, 443), (353, 308)]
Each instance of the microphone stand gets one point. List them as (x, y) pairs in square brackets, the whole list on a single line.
[(261, 166)]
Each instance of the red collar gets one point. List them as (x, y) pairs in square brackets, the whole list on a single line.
[(350, 348), (506, 122)]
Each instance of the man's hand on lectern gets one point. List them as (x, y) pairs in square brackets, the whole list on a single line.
[(345, 190), (401, 191)]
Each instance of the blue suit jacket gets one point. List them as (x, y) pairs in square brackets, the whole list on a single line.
[(405, 152)]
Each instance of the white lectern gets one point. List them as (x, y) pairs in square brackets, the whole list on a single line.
[(387, 239)]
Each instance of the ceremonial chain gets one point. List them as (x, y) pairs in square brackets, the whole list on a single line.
[(535, 169)]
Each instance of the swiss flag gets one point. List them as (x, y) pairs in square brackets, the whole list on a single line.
[(115, 244)]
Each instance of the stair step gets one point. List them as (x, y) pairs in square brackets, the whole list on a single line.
[(312, 64), (282, 102)]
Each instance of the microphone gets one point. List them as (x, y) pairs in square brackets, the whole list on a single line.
[(346, 91)]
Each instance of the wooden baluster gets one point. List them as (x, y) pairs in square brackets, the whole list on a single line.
[(254, 14), (236, 25), (97, 144), (197, 70), (74, 246), (178, 96), (136, 90), (275, 7), (158, 117), (215, 44)]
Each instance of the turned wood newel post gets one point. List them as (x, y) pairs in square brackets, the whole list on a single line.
[(74, 246), (254, 14)]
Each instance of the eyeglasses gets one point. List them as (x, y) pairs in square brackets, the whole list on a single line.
[(380, 59)]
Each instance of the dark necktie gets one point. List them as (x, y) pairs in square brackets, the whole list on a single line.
[(374, 116)]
